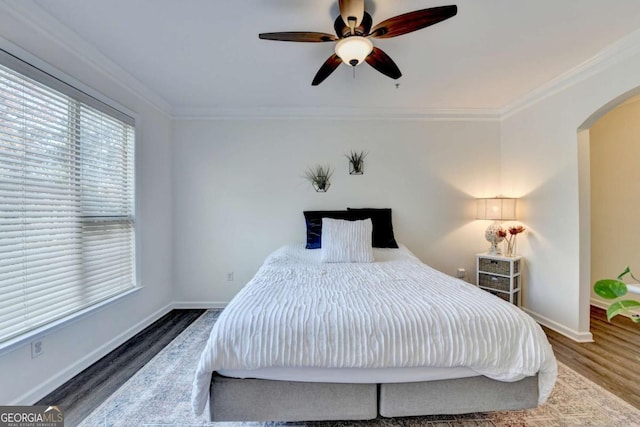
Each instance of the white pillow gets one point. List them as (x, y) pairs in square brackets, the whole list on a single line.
[(346, 241)]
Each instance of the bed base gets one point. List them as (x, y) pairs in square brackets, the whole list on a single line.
[(459, 396), (233, 399)]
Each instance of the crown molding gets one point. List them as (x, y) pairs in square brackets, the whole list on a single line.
[(335, 113), (48, 26), (43, 23), (606, 58)]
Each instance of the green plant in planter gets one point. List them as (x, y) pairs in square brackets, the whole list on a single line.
[(319, 177), (356, 162), (616, 288)]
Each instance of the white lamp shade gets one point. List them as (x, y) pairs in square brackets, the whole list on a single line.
[(354, 49), (497, 209)]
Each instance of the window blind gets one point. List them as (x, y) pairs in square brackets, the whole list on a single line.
[(67, 207)]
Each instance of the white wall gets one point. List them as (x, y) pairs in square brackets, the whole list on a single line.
[(73, 347), (615, 193), (540, 164), (239, 192)]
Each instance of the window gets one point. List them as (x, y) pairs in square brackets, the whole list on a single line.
[(66, 199)]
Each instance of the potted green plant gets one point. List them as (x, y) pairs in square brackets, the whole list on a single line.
[(319, 177), (356, 162), (616, 289)]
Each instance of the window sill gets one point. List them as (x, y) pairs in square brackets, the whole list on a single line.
[(49, 328)]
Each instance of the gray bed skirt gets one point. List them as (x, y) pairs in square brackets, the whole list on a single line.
[(233, 399)]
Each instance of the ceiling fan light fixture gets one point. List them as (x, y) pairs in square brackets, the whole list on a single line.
[(353, 50)]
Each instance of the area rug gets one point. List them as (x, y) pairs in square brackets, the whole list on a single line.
[(159, 395)]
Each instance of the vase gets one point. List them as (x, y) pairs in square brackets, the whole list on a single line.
[(510, 249)]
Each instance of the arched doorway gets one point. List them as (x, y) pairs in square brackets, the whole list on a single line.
[(587, 236)]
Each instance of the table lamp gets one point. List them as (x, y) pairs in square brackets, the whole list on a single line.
[(497, 209)]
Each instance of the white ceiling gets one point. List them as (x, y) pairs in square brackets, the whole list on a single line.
[(205, 54)]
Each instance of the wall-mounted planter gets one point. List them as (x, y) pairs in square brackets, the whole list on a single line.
[(319, 177), (356, 162), (356, 168), (321, 187)]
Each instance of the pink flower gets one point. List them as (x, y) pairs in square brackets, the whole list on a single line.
[(511, 239), (516, 230)]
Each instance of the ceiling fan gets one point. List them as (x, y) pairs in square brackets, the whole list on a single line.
[(354, 31)]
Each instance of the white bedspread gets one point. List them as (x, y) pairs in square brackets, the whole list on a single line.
[(395, 312)]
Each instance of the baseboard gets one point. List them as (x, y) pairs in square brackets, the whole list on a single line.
[(603, 304), (182, 305), (599, 303), (561, 329), (63, 376)]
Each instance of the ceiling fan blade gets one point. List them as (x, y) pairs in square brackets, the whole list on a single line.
[(351, 10), (383, 63), (412, 21), (299, 36), (343, 30), (327, 68)]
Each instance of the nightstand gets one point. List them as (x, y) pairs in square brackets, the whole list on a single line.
[(500, 275)]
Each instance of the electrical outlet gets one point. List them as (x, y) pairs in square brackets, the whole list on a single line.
[(36, 349), (461, 273), (230, 276)]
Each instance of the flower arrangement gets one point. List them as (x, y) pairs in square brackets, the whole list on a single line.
[(509, 237)]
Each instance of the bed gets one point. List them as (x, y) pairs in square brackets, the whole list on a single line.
[(308, 340)]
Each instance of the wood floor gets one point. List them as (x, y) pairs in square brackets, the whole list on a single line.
[(86, 391), (612, 361)]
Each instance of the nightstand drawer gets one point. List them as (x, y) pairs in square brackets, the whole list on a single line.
[(498, 282), (498, 267), (494, 282), (506, 296)]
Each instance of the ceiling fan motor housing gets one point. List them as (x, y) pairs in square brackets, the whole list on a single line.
[(351, 11)]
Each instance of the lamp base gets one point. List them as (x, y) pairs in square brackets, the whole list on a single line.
[(491, 234)]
